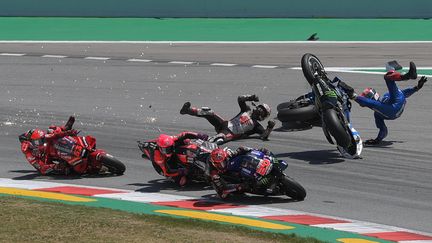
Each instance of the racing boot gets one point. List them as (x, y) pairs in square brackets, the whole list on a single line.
[(193, 111), (411, 74), (186, 109)]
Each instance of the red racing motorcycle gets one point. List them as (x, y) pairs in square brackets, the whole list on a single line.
[(70, 153), (190, 157)]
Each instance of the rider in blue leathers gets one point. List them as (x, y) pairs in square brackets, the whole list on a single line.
[(391, 105), (254, 171)]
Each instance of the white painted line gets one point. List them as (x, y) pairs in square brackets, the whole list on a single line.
[(223, 64), (144, 197), (257, 211), (138, 60), (24, 184), (12, 54), (218, 42), (97, 58), (264, 66), (54, 56), (180, 62), (357, 227)]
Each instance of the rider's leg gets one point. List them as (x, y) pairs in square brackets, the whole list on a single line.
[(387, 110), (214, 119)]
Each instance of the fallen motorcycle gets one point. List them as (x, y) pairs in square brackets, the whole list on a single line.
[(326, 106)]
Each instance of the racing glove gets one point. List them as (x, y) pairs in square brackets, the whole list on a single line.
[(271, 124), (420, 83)]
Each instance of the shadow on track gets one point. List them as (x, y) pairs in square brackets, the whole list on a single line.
[(31, 174), (164, 184), (250, 199), (317, 157), (383, 144)]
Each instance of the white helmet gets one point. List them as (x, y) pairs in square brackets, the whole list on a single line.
[(351, 153)]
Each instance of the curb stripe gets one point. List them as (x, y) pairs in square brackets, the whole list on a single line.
[(257, 211), (399, 236), (226, 219), (305, 219), (144, 197), (360, 228), (198, 204), (46, 195), (416, 241), (77, 190), (364, 228)]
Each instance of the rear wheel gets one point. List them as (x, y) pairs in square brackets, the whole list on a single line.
[(114, 165), (311, 66), (336, 127), (293, 189), (298, 111)]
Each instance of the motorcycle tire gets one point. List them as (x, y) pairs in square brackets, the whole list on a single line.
[(293, 189), (114, 165), (310, 65), (301, 113), (285, 105), (336, 128)]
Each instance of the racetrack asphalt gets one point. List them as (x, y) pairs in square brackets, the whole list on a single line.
[(120, 102)]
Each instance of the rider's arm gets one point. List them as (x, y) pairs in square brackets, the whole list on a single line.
[(242, 101), (263, 132), (380, 124), (191, 135), (41, 164), (409, 91), (223, 188)]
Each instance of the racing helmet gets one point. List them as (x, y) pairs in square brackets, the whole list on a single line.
[(36, 137), (218, 158), (370, 93), (263, 111), (165, 144)]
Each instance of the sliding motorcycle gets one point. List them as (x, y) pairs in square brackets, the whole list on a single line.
[(326, 106)]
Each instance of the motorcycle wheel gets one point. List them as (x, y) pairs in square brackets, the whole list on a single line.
[(298, 112), (114, 165), (336, 128), (293, 189), (310, 66)]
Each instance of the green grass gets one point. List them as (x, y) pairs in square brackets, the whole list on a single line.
[(26, 220)]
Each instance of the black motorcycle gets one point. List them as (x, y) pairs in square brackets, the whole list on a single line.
[(326, 106)]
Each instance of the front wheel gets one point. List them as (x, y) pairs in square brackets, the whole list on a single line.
[(311, 66), (336, 128), (114, 165), (293, 189)]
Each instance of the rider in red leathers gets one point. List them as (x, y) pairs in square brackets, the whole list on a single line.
[(39, 149), (163, 154)]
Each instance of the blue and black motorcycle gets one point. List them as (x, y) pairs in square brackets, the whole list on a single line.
[(274, 182), (326, 106)]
